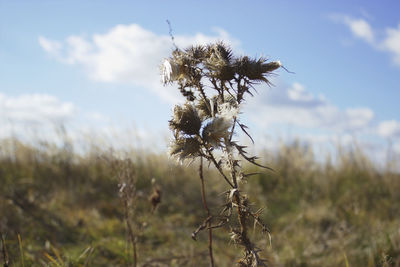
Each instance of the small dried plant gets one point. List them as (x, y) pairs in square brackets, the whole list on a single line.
[(214, 83), (127, 191)]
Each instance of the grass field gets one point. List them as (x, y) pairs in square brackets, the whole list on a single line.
[(61, 208)]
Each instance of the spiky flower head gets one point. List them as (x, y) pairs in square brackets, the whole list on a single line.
[(218, 61), (186, 73), (197, 52), (220, 51), (185, 119), (255, 69), (184, 148), (271, 66)]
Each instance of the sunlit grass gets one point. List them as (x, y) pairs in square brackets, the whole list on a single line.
[(345, 214)]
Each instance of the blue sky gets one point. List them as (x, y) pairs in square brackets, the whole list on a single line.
[(92, 65)]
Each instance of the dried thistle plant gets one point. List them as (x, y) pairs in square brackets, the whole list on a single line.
[(207, 123)]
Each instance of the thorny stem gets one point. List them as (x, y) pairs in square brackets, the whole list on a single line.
[(232, 129), (242, 219), (222, 90), (239, 89), (249, 247), (242, 213), (214, 83), (203, 94), (203, 196), (233, 173), (214, 161)]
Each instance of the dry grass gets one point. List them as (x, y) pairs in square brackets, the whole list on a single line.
[(68, 211)]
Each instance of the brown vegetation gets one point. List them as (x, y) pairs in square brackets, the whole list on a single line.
[(67, 207)]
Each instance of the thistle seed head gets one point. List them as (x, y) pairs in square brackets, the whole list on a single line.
[(197, 52), (219, 62), (216, 130), (228, 111), (250, 68), (271, 66), (184, 148), (185, 119), (207, 107), (255, 69), (179, 68), (220, 51)]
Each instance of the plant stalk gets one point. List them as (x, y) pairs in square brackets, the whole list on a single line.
[(130, 233), (4, 251), (203, 196)]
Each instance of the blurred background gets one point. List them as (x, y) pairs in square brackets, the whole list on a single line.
[(94, 68), (80, 88)]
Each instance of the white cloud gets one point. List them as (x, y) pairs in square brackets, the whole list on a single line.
[(389, 129), (52, 47), (97, 117), (288, 113), (392, 43), (295, 106), (35, 117), (360, 28), (363, 30), (34, 109), (131, 54), (120, 138), (126, 54), (24, 114)]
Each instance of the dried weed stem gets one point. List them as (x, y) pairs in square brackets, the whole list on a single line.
[(127, 192), (4, 251)]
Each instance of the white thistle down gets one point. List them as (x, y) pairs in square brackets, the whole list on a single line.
[(232, 193), (212, 107), (169, 71), (228, 111), (216, 130)]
